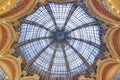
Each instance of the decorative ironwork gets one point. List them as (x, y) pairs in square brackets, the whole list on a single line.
[(60, 40)]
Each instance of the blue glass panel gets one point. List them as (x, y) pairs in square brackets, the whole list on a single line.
[(60, 12), (31, 49), (117, 76), (3, 76), (29, 32), (86, 50), (90, 33), (59, 66), (78, 69), (42, 17), (58, 70), (42, 63), (79, 18)]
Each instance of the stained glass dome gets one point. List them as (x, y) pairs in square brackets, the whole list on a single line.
[(60, 39)]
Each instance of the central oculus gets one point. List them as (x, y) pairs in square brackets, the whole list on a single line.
[(60, 36)]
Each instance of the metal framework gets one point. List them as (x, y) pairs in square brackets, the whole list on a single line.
[(73, 8), (51, 61), (29, 41), (33, 60), (66, 60), (81, 57), (35, 24), (60, 49), (84, 26), (48, 8)]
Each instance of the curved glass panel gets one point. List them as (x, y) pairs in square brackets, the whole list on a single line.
[(117, 77), (60, 39), (2, 75)]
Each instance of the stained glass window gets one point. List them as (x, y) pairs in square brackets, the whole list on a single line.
[(60, 39)]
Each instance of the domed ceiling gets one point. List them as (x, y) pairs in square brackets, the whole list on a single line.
[(61, 40)]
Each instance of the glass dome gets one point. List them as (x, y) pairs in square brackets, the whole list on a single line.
[(60, 39)]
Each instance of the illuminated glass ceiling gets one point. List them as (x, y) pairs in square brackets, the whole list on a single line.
[(60, 40)]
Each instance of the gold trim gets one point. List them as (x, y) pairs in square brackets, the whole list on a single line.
[(113, 7), (6, 5), (110, 72), (7, 67), (26, 11), (11, 37), (109, 42), (92, 10)]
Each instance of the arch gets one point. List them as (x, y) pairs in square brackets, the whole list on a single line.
[(107, 69), (113, 40), (7, 36), (11, 66), (96, 9)]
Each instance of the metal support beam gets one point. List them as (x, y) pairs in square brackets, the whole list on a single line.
[(85, 25), (34, 58), (48, 8), (29, 41), (52, 61), (90, 69), (90, 43), (66, 62), (35, 24), (73, 8)]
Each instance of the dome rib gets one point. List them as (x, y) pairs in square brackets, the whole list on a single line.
[(48, 8)]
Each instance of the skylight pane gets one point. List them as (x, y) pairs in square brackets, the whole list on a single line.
[(60, 12), (80, 17)]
